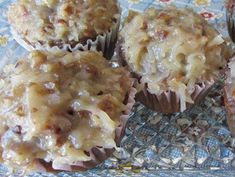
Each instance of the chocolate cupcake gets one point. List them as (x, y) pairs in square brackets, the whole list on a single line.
[(62, 110), (66, 25), (175, 54), (229, 95)]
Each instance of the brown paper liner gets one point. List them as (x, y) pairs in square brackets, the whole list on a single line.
[(229, 4), (230, 107), (104, 43), (229, 103), (168, 101), (99, 154)]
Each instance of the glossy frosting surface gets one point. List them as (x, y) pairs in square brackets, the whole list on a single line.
[(56, 107), (62, 21), (172, 49)]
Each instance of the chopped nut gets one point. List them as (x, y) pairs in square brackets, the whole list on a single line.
[(165, 17), (37, 58), (62, 22), (91, 69), (34, 110), (69, 10), (144, 26), (84, 114), (66, 10), (162, 34), (20, 111), (106, 104)]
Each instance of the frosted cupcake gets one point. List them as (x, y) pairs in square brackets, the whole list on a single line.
[(62, 111), (65, 25), (175, 54)]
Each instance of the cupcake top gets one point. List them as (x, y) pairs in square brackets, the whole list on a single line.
[(57, 106), (62, 21), (172, 49)]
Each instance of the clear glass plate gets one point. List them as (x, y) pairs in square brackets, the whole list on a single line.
[(194, 143)]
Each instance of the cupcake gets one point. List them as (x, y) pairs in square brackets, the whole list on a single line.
[(67, 25), (62, 110), (229, 95), (175, 54)]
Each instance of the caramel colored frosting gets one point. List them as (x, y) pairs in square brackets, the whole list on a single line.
[(172, 49), (56, 106), (56, 22)]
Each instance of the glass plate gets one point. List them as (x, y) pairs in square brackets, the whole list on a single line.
[(194, 143)]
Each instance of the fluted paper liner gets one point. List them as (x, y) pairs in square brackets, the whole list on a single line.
[(230, 107), (99, 154), (168, 101), (104, 43), (229, 102)]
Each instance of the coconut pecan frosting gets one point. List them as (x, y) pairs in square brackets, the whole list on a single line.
[(56, 106), (62, 21), (172, 49)]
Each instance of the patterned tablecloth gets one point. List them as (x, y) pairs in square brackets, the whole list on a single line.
[(194, 143)]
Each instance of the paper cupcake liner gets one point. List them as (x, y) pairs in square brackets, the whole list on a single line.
[(99, 154), (230, 107), (229, 4), (229, 103), (231, 123), (168, 101), (104, 43)]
